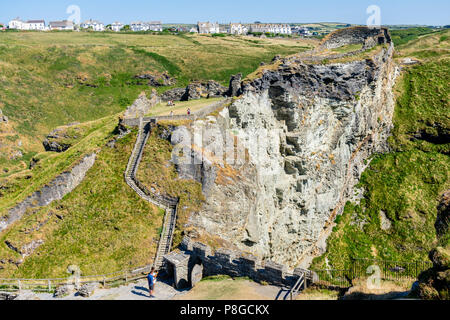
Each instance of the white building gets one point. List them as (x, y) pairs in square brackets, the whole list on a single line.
[(93, 24), (238, 29), (208, 27), (271, 28), (61, 25), (155, 26), (16, 24), (35, 25), (138, 26), (117, 26), (193, 30)]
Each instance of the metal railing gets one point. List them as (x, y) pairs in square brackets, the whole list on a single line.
[(363, 268)]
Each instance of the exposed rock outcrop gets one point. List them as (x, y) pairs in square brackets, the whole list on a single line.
[(55, 190), (235, 85), (156, 80), (304, 133), (142, 105), (196, 90), (369, 37)]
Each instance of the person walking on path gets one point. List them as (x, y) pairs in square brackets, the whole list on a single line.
[(152, 281), (189, 111)]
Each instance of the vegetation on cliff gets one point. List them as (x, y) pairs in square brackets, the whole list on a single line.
[(395, 219)]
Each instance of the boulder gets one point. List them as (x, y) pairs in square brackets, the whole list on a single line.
[(174, 94), (62, 291), (87, 289), (8, 296), (54, 141)]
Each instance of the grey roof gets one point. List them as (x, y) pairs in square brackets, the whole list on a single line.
[(36, 21), (64, 23)]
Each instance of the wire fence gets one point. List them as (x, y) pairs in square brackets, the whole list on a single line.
[(363, 268), (50, 285)]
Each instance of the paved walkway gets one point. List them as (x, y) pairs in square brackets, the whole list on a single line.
[(133, 291)]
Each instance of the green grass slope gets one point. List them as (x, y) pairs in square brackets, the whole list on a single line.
[(102, 226)]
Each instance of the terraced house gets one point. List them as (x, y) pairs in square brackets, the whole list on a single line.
[(146, 26), (271, 28), (61, 25), (238, 29), (93, 24), (208, 27), (18, 24), (117, 26)]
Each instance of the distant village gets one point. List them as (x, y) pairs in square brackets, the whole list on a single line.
[(157, 26)]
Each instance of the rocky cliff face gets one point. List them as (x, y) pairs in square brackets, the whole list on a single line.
[(306, 132)]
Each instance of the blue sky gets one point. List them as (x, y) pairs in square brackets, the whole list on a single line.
[(433, 12)]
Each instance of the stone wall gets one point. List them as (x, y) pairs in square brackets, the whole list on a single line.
[(196, 115), (369, 37), (228, 262), (55, 190)]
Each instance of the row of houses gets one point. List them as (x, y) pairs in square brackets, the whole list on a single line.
[(238, 28), (94, 25), (39, 25)]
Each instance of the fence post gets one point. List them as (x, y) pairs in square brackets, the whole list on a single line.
[(104, 281), (126, 276), (20, 285), (49, 286)]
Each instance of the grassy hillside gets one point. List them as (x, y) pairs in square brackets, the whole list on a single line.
[(402, 188), (102, 226), (157, 173), (52, 79)]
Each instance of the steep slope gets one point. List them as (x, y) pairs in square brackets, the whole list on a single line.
[(304, 133)]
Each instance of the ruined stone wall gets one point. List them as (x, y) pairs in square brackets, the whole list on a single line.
[(369, 37), (231, 263), (55, 190)]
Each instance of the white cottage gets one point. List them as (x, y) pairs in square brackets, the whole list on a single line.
[(93, 24), (35, 25), (155, 26), (16, 24), (117, 26), (238, 29), (61, 25), (208, 27)]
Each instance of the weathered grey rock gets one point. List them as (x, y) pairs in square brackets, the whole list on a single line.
[(199, 90), (142, 105), (235, 85), (55, 190), (8, 296), (196, 275), (156, 80), (176, 94), (315, 126), (88, 289), (369, 37), (63, 291)]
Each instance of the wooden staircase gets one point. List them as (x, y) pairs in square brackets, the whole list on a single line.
[(168, 203)]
